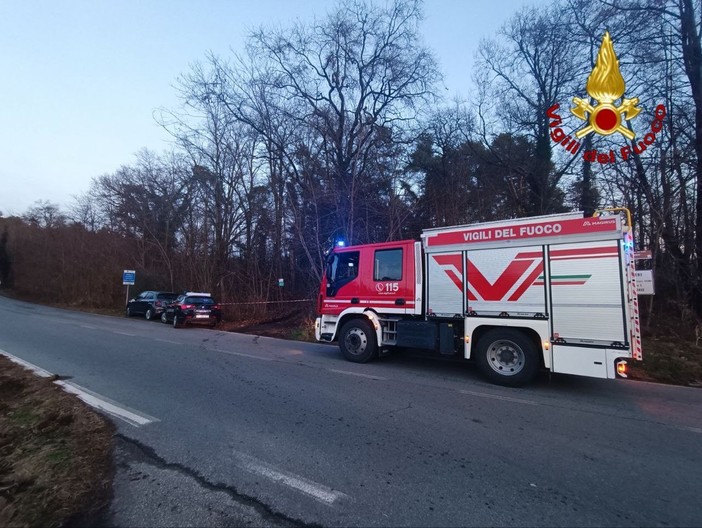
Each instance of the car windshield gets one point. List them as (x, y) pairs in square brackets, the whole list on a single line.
[(167, 296)]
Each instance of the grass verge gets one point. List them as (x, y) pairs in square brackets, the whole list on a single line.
[(55, 454)]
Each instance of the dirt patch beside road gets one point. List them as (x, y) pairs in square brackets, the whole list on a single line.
[(55, 453), (292, 324)]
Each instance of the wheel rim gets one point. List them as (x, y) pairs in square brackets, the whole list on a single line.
[(129, 312), (356, 341), (163, 318), (506, 357), (175, 321), (148, 314)]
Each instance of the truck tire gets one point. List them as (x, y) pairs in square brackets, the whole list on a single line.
[(358, 342), (507, 357)]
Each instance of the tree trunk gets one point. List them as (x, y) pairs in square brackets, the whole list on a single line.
[(692, 57)]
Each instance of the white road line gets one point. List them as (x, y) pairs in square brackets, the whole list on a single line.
[(90, 327), (369, 376), (26, 364), (315, 490), (251, 356), (496, 397), (131, 416), (123, 333), (167, 341), (686, 428), (292, 353)]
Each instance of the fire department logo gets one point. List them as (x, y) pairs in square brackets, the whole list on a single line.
[(605, 85)]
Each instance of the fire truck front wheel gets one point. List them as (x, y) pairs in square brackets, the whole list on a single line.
[(507, 357), (358, 341)]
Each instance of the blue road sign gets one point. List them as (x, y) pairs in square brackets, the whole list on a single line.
[(128, 277)]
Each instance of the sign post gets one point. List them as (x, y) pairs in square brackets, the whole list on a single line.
[(644, 282), (644, 254), (128, 279)]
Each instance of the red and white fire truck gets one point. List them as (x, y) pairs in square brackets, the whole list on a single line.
[(555, 292)]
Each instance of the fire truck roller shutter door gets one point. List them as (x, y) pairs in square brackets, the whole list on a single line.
[(587, 292)]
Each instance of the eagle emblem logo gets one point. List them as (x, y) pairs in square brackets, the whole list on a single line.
[(605, 85)]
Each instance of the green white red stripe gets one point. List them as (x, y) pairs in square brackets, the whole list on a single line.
[(563, 280)]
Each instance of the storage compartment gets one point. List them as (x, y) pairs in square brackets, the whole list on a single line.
[(587, 292), (417, 334), (446, 339), (580, 360), (445, 284), (506, 281)]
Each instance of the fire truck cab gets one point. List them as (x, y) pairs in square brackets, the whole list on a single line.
[(554, 292)]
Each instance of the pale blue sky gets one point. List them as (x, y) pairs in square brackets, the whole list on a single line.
[(80, 79)]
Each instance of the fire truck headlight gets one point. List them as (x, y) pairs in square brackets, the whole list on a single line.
[(622, 368)]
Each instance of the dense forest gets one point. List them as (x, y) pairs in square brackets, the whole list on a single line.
[(335, 129)]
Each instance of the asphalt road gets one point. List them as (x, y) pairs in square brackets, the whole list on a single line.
[(232, 429)]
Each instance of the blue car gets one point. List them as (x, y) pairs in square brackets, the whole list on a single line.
[(150, 304)]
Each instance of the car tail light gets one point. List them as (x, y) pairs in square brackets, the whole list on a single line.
[(186, 306), (158, 303), (215, 307)]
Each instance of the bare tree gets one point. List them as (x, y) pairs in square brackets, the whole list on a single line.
[(665, 43), (353, 74), (520, 75), (45, 214), (145, 202), (222, 179)]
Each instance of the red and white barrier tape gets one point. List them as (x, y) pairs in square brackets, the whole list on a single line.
[(265, 302)]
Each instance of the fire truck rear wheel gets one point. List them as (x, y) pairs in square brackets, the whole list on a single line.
[(507, 357), (358, 341)]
